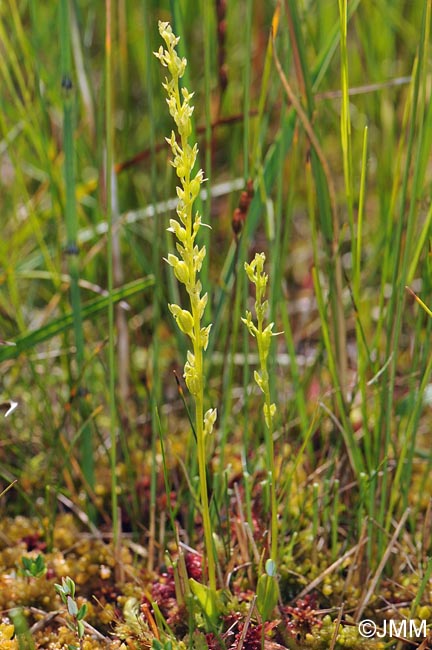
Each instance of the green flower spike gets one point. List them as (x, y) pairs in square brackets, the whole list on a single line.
[(187, 265), (263, 335)]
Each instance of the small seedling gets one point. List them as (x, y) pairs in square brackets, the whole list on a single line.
[(267, 591), (33, 567), (66, 592)]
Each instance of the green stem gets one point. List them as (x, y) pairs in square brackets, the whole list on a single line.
[(255, 272), (199, 396), (199, 415), (269, 444)]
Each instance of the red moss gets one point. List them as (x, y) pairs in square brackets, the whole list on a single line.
[(302, 617)]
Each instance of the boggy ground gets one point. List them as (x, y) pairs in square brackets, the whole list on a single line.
[(322, 590)]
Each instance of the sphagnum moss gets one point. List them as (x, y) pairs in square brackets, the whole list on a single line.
[(187, 264)]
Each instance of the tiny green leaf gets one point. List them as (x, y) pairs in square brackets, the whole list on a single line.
[(80, 629), (208, 600), (72, 606), (59, 589), (82, 612), (267, 595)]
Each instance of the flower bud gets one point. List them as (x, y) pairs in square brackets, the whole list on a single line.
[(209, 420), (205, 331), (194, 187), (269, 414), (183, 318)]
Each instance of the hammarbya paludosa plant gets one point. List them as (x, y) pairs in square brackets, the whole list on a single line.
[(267, 590), (187, 265)]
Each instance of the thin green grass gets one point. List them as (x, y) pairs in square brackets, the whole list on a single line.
[(72, 251), (109, 166), (405, 229)]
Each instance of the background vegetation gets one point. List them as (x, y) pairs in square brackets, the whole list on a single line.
[(317, 151)]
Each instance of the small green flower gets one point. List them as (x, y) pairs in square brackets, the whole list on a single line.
[(191, 376), (184, 320), (269, 413), (181, 269), (209, 420)]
